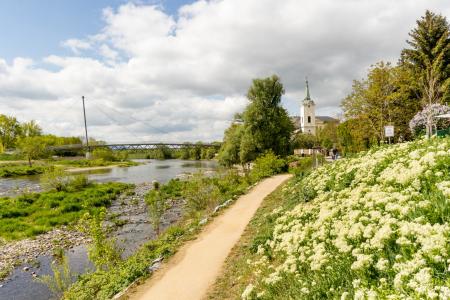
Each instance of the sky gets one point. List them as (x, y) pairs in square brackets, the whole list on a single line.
[(175, 71)]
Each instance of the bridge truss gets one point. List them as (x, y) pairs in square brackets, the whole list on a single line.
[(135, 146)]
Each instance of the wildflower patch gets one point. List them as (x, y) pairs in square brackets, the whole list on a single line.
[(372, 227)]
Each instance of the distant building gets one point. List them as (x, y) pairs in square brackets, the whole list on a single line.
[(308, 122)]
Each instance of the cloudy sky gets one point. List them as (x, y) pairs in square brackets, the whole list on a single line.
[(179, 70)]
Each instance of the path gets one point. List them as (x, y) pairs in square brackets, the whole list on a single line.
[(196, 265)]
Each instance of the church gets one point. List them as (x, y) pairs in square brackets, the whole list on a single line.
[(308, 122)]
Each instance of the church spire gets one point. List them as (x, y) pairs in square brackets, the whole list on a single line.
[(308, 97)]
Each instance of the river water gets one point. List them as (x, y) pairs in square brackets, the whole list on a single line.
[(21, 285)]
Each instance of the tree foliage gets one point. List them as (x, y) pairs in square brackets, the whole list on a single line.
[(429, 57), (263, 126), (32, 147), (10, 130)]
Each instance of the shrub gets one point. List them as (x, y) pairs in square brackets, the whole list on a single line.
[(157, 205), (62, 277), (56, 179), (102, 251), (103, 153), (200, 194), (267, 165)]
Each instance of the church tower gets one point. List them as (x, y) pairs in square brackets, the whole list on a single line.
[(308, 113)]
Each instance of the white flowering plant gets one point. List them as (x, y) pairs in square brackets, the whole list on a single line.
[(376, 226)]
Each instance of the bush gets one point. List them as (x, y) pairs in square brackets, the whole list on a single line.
[(267, 165), (200, 193), (157, 205), (56, 179), (103, 153), (103, 251)]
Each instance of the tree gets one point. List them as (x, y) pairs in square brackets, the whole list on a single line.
[(354, 135), (267, 125), (419, 122), (31, 147), (386, 97), (429, 60), (429, 57), (370, 99), (10, 130), (31, 129), (229, 153), (304, 141), (327, 136)]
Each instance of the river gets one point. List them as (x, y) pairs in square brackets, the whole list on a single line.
[(20, 285)]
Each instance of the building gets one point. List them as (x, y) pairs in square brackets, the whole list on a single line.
[(308, 122)]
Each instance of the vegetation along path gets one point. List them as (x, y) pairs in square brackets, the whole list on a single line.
[(194, 268)]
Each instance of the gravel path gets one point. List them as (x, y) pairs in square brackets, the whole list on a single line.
[(196, 265)]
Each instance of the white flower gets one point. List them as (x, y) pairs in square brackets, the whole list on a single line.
[(382, 264), (248, 291)]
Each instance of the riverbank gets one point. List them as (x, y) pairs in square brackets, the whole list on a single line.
[(127, 216)]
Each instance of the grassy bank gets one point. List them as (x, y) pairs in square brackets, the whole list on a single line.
[(371, 227), (32, 214), (16, 170)]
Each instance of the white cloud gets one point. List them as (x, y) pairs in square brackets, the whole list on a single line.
[(76, 45), (186, 75)]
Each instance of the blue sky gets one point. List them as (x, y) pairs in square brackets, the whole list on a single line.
[(36, 28)]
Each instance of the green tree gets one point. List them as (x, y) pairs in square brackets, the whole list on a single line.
[(429, 57), (354, 135), (429, 60), (10, 130), (31, 129), (267, 125), (327, 136), (304, 141), (230, 149), (32, 147), (370, 99)]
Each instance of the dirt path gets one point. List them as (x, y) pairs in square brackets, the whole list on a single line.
[(197, 264)]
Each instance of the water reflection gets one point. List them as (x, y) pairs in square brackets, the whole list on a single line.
[(147, 171)]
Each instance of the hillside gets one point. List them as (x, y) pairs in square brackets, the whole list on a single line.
[(371, 227)]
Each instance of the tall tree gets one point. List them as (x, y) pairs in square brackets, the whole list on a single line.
[(31, 128), (267, 125), (230, 149), (10, 130), (370, 99), (429, 57)]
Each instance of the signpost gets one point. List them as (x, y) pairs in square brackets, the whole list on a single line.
[(389, 132)]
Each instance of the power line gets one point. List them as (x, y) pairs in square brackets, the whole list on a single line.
[(137, 120), (115, 121)]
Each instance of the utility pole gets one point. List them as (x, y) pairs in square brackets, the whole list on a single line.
[(85, 129)]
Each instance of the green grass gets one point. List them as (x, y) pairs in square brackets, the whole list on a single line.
[(31, 214), (15, 170), (8, 157)]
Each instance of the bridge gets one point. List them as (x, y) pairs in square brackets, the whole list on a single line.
[(135, 146)]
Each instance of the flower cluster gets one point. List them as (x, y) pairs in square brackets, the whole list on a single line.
[(419, 121), (378, 227)]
